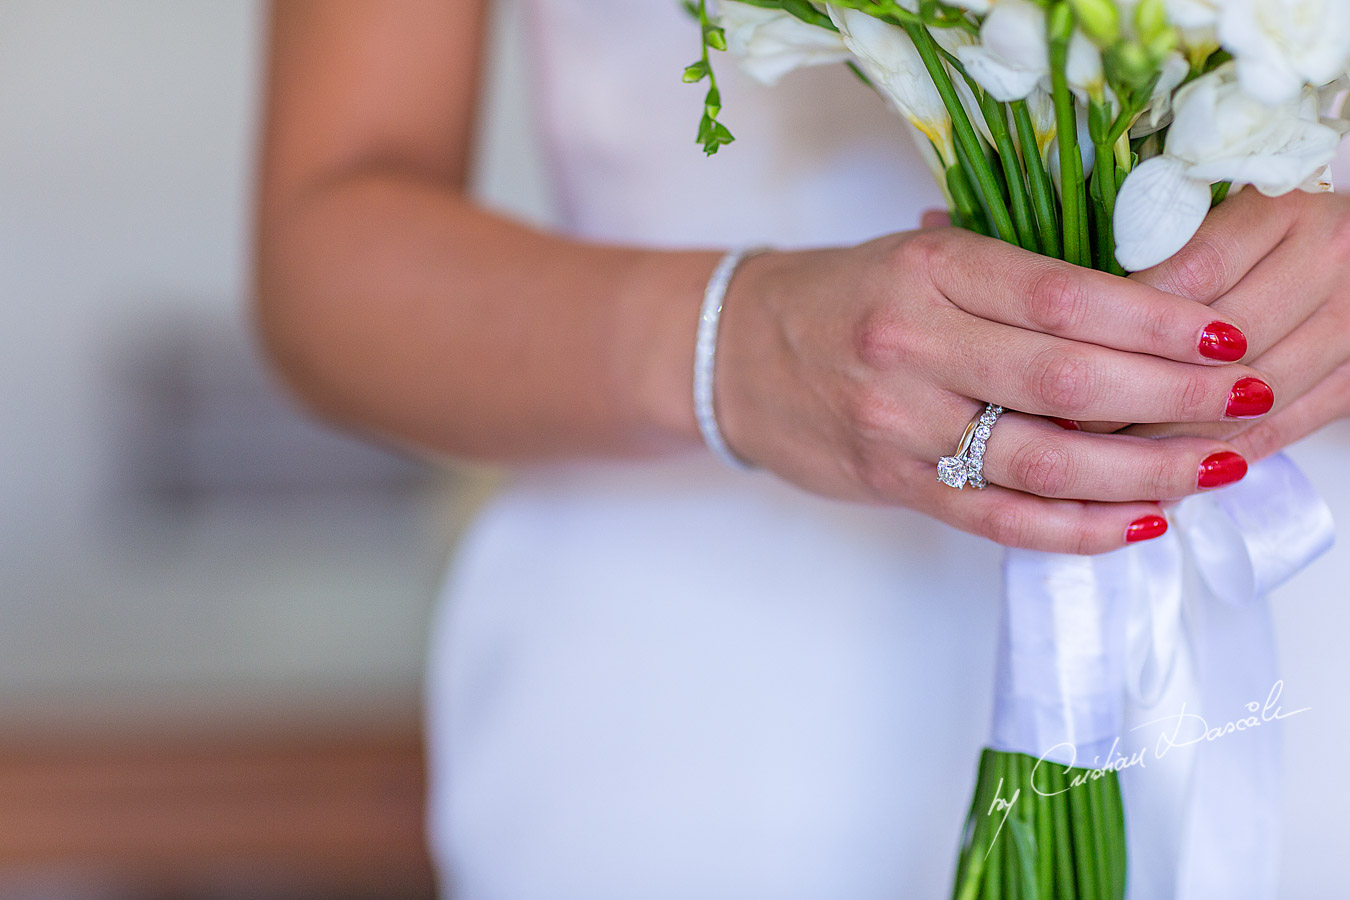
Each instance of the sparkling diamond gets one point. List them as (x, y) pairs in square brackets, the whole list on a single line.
[(981, 434), (952, 472)]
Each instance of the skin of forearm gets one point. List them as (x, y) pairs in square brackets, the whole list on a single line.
[(392, 304)]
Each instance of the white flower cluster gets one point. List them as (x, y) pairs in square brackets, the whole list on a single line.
[(1244, 92)]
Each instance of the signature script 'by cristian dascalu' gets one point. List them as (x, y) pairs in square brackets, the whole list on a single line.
[(1184, 729)]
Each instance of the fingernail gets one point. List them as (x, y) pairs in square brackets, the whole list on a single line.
[(1220, 469), (1145, 529), (1223, 342), (1066, 424), (1251, 397)]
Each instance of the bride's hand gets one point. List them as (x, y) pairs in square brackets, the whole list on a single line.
[(1280, 269), (851, 371)]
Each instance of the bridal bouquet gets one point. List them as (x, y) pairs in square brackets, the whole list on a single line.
[(1100, 132)]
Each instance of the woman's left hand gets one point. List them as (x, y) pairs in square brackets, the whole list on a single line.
[(1280, 269)]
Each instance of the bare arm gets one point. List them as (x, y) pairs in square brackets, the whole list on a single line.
[(392, 303)]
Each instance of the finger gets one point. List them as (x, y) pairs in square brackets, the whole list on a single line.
[(935, 218), (1050, 296), (1014, 519), (1031, 455), (1296, 366), (1320, 406), (1281, 292), (1236, 235), (1050, 376)]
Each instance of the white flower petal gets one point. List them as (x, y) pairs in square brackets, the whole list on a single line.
[(769, 43), (1004, 83), (1012, 56), (1159, 209), (1224, 134), (1282, 45), (893, 63)]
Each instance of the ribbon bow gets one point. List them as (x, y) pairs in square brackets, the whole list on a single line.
[(1089, 643)]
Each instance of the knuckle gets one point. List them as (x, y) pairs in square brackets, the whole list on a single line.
[(878, 340), (874, 415), (1062, 380), (923, 252), (1339, 239), (1006, 524), (1262, 439), (880, 481), (1057, 300), (1200, 270), (1195, 400), (1163, 477), (1164, 326), (1042, 468), (1091, 542)]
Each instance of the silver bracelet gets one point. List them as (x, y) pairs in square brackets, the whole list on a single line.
[(705, 353)]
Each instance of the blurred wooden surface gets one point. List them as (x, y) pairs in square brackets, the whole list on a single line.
[(271, 816)]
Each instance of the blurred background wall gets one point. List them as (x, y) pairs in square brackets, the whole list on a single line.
[(212, 611)]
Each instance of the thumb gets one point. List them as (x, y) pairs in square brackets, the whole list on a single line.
[(935, 218)]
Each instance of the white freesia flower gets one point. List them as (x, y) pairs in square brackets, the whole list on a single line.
[(1198, 23), (892, 62), (1041, 107), (1192, 13), (1159, 209), (1086, 149), (1013, 56), (1220, 133), (1282, 45), (1226, 135), (1159, 111), (769, 43)]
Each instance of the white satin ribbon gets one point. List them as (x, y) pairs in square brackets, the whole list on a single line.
[(1082, 637)]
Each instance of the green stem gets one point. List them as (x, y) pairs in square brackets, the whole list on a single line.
[(967, 165), (1080, 823), (1103, 186), (1042, 188), (1115, 821), (1220, 192), (1045, 830), (970, 867), (967, 141), (1065, 879), (969, 213), (1096, 827), (1076, 248), (993, 878), (996, 117)]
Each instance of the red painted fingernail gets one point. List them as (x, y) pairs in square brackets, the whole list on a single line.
[(1251, 397), (1220, 469), (1223, 342), (1145, 529), (1066, 424)]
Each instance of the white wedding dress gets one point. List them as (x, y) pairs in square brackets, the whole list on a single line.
[(668, 680)]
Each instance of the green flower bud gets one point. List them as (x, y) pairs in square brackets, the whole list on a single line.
[(715, 37), (1150, 19), (1099, 19), (1131, 64), (1060, 22)]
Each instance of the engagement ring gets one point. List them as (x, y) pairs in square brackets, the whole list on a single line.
[(966, 465)]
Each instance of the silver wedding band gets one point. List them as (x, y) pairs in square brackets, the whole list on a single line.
[(966, 465)]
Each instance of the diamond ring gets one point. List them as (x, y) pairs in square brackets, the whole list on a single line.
[(966, 465)]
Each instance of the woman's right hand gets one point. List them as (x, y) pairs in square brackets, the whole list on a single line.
[(851, 371)]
